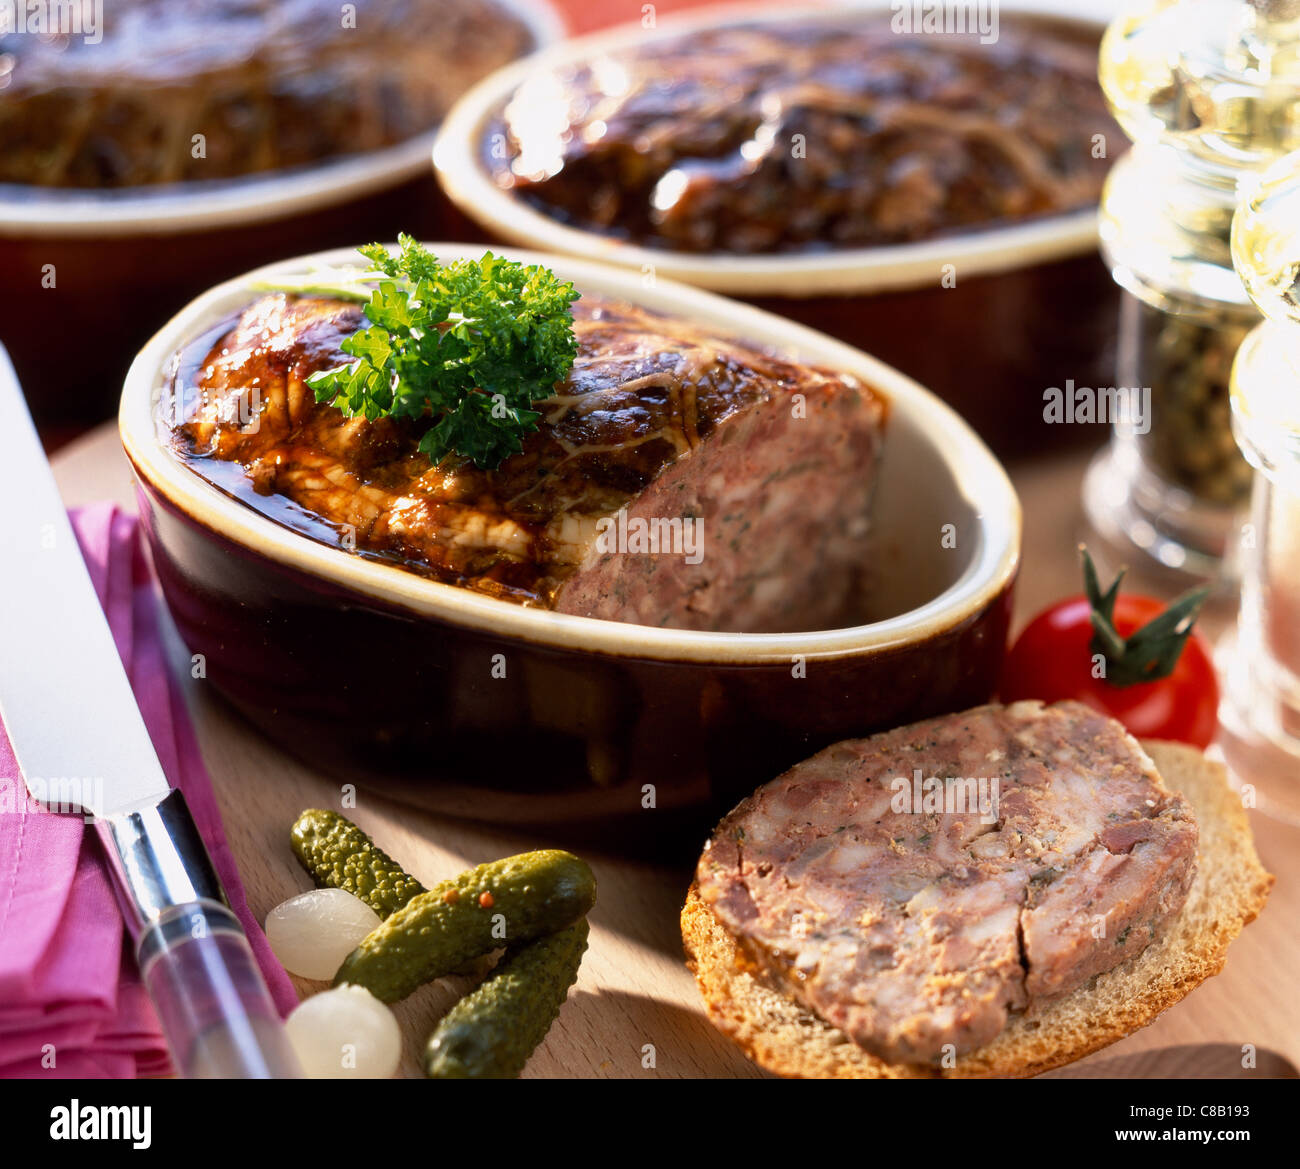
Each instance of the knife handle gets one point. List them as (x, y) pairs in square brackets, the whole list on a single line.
[(216, 1012)]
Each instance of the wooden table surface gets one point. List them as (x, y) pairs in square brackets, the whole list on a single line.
[(635, 1010)]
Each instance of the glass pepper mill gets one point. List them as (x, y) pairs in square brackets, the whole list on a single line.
[(1261, 662), (1209, 91)]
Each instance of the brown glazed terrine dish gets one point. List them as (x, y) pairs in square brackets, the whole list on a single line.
[(807, 160), (836, 553), (179, 142)]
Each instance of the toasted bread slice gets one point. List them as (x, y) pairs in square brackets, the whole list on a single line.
[(1230, 889)]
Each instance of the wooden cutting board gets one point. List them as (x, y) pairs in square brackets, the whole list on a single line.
[(635, 1010)]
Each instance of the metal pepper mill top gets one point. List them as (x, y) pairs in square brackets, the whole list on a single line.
[(1209, 91)]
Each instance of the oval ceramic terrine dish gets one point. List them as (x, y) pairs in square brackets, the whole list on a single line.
[(120, 223), (485, 699), (886, 190)]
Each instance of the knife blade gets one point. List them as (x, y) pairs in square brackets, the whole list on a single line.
[(83, 748)]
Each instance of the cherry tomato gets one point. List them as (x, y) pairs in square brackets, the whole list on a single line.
[(1053, 660)]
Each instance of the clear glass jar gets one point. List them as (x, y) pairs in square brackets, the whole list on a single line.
[(1210, 92), (1261, 661)]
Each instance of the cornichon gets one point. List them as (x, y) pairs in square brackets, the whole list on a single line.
[(500, 904), (492, 1031), (339, 855)]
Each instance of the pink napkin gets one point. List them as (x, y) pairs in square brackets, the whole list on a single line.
[(71, 1001)]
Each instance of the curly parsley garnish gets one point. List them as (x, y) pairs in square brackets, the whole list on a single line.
[(470, 343)]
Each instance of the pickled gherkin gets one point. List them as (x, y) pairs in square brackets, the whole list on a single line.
[(504, 903), (492, 1031), (338, 855)]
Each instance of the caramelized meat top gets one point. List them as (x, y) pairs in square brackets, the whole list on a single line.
[(257, 84), (778, 137), (644, 392)]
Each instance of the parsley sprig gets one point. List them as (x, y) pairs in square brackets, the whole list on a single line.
[(470, 343)]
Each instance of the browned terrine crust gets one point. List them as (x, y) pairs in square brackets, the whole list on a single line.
[(919, 933), (770, 465), (787, 136), (267, 83)]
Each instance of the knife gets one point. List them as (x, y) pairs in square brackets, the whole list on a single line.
[(81, 744)]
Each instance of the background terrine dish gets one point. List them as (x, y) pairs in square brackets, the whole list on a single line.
[(757, 137), (267, 84)]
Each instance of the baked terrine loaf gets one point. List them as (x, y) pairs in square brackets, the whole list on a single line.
[(679, 477), (263, 84), (791, 135)]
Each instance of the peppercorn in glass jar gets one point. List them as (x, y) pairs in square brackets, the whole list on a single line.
[(1210, 93)]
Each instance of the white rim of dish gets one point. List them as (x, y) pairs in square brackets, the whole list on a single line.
[(171, 209), (977, 473), (458, 163)]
